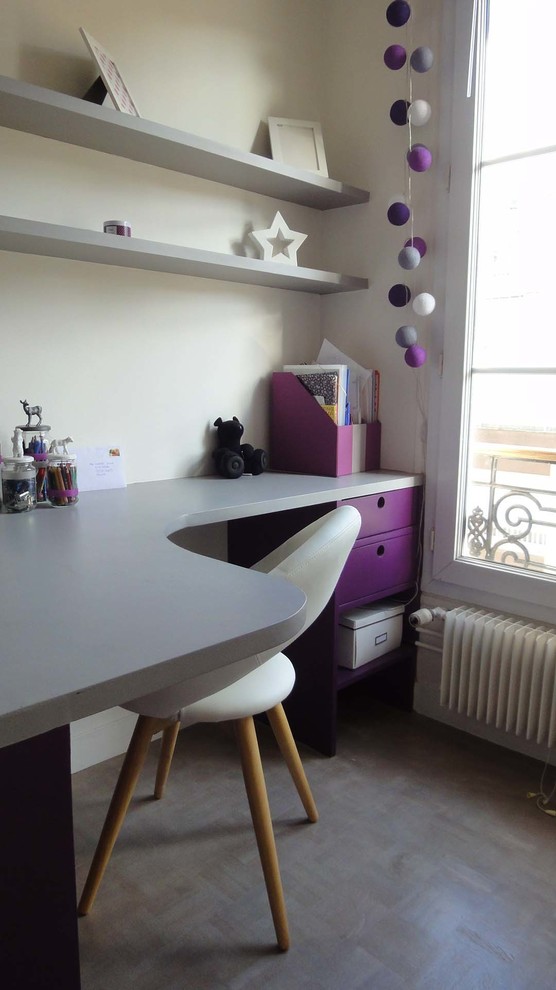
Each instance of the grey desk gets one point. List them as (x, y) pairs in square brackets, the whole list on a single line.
[(99, 606)]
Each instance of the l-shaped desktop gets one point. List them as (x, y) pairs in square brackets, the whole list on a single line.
[(100, 605)]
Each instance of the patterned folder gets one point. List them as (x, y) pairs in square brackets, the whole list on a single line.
[(329, 384), (323, 384)]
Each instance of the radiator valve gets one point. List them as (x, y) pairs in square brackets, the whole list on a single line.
[(424, 616)]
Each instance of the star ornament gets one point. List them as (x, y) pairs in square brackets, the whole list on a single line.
[(278, 242)]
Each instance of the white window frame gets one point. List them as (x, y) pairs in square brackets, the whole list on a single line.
[(466, 580)]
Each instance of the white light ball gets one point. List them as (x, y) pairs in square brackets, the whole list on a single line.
[(419, 113), (424, 304)]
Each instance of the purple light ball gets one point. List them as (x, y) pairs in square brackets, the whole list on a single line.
[(409, 258), (406, 336), (399, 295), (419, 243), (419, 158), (421, 59), (398, 112), (415, 356), (398, 13), (398, 214), (394, 57)]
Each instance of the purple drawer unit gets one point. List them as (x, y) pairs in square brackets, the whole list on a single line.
[(388, 511), (377, 566)]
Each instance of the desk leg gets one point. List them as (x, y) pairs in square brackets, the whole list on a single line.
[(38, 917)]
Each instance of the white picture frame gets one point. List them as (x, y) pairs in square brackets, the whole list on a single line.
[(298, 143), (110, 75)]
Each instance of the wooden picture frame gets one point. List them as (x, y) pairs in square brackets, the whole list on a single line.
[(110, 75), (298, 143)]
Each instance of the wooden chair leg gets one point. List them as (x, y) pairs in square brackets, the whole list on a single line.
[(135, 757), (281, 728), (262, 823), (169, 738)]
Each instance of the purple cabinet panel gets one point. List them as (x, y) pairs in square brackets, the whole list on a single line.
[(388, 511), (38, 907), (377, 565)]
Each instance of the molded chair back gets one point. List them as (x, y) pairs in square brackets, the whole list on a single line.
[(313, 560)]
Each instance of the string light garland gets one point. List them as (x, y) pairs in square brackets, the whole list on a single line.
[(409, 113)]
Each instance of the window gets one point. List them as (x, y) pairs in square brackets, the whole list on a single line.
[(495, 514)]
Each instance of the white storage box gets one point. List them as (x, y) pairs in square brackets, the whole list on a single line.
[(367, 633)]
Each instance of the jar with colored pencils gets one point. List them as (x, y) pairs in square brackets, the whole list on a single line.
[(62, 479), (35, 445)]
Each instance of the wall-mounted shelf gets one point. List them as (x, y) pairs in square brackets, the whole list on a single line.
[(75, 244), (36, 110)]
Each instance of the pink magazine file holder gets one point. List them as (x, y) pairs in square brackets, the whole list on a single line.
[(305, 440)]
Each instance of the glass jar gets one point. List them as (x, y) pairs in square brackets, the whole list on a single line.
[(35, 445), (19, 485), (62, 479)]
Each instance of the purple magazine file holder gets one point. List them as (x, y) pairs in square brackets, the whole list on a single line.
[(303, 437)]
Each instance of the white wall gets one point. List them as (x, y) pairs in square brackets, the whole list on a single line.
[(142, 359), (149, 360)]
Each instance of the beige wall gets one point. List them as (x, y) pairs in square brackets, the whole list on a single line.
[(149, 360)]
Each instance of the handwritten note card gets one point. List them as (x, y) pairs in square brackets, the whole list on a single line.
[(99, 468)]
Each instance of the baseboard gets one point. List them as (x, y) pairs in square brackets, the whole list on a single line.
[(426, 702)]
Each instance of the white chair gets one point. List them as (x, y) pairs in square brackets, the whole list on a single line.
[(313, 560)]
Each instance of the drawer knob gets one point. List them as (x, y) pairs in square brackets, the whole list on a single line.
[(380, 550), (381, 502)]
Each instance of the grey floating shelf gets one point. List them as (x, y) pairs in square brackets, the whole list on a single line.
[(35, 110), (75, 244)]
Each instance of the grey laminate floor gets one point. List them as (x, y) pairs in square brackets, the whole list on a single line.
[(429, 868)]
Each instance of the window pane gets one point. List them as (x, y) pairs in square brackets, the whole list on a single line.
[(515, 265), (514, 402), (519, 111), (510, 504)]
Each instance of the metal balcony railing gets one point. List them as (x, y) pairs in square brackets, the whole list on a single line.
[(513, 521)]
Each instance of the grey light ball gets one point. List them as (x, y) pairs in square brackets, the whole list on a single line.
[(422, 59), (409, 258), (406, 336)]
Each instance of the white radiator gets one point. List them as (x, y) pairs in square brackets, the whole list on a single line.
[(501, 671)]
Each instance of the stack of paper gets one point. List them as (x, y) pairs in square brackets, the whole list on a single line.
[(364, 385)]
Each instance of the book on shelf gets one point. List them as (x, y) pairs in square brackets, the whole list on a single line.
[(328, 384), (323, 385), (339, 391)]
